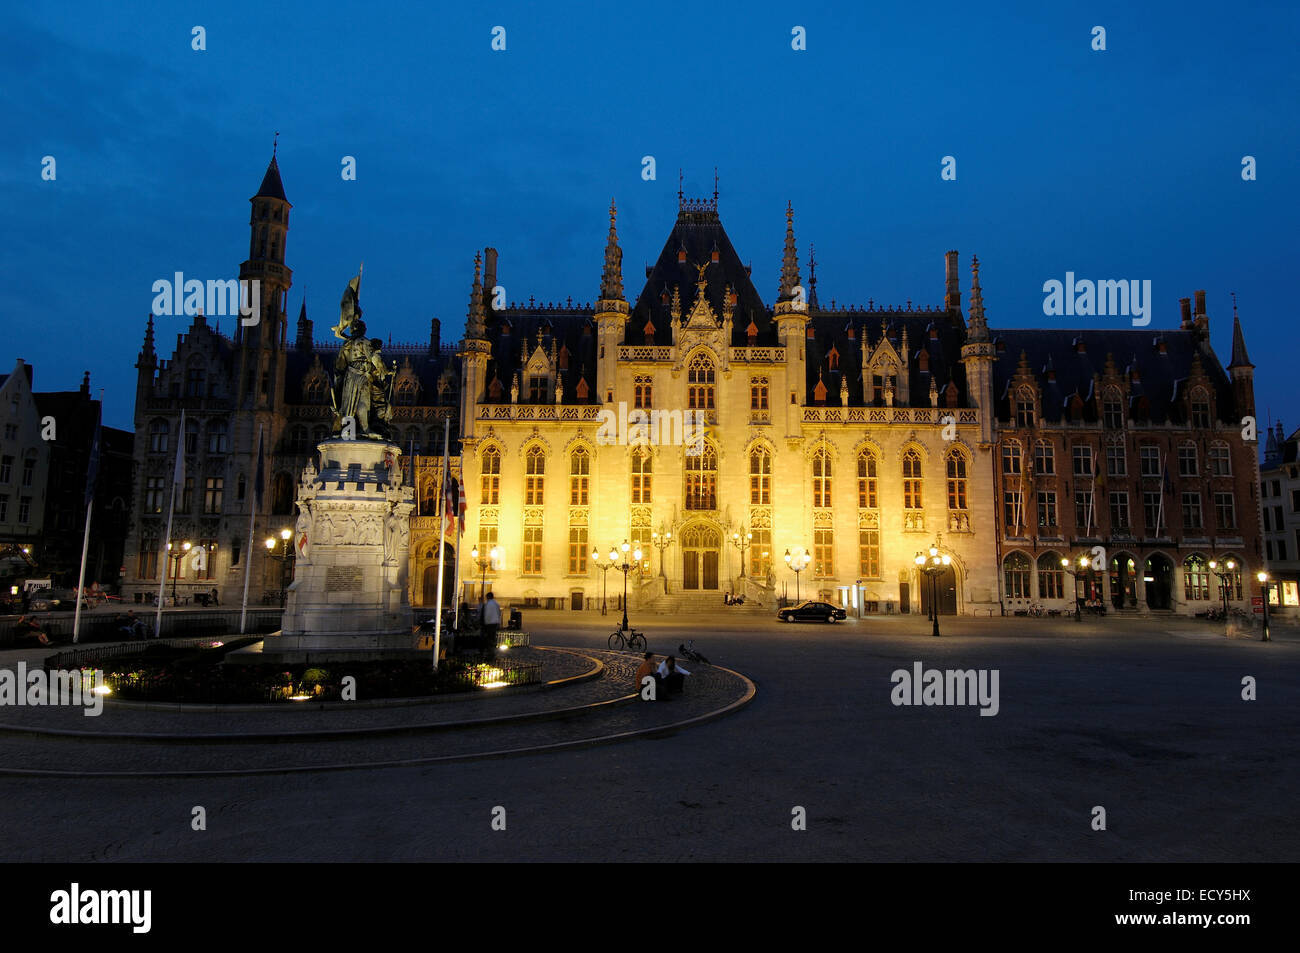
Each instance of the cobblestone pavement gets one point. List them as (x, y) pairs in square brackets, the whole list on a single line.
[(1143, 717)]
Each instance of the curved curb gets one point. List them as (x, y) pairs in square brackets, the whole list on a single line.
[(655, 731)]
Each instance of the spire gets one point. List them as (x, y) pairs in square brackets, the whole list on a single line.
[(474, 329), (979, 329), (789, 260), (272, 187), (1239, 356), (812, 278), (304, 327), (611, 278), (147, 351)]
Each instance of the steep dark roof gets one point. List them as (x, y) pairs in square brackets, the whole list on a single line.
[(428, 366), (699, 230), (272, 187), (513, 333), (1239, 356), (1162, 375)]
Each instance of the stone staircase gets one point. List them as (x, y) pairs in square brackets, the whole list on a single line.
[(697, 601)]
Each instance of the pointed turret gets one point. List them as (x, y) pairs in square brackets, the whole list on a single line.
[(812, 279), (978, 352), (611, 277), (1240, 369), (474, 324), (272, 187), (789, 261), (304, 339), (978, 330), (147, 352)]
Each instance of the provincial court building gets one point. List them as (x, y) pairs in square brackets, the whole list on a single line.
[(850, 437)]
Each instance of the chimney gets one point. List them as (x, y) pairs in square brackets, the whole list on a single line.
[(489, 275), (85, 384), (952, 283), (1186, 304), (1200, 304), (435, 335)]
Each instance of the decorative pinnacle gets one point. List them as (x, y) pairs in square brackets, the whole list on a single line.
[(790, 259), (979, 329), (474, 325), (611, 277)]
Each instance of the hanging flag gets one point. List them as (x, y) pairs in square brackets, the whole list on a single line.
[(260, 476), (92, 468)]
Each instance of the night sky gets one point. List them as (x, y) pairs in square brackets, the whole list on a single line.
[(1117, 164)]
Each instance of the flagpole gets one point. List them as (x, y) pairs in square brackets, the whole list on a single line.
[(81, 578), (167, 539), (455, 565), (442, 530), (248, 556)]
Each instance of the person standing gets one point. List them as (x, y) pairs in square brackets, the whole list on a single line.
[(491, 622)]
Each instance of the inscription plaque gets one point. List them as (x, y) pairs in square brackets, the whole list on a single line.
[(343, 579)]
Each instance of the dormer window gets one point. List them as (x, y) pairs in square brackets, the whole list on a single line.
[(538, 389)]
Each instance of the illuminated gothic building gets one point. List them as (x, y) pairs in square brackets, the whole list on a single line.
[(855, 437)]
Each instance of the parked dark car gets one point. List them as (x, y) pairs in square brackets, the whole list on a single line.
[(809, 611), (44, 600)]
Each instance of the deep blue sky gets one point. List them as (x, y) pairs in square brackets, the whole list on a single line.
[(1117, 164)]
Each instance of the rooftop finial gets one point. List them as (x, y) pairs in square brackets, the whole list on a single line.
[(275, 144), (979, 329), (715, 186), (790, 259), (611, 278), (680, 194)]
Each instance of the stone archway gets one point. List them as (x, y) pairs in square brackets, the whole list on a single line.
[(1158, 574), (428, 595), (946, 588), (701, 548), (1123, 581)]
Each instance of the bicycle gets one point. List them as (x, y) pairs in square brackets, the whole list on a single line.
[(688, 652), (633, 640)]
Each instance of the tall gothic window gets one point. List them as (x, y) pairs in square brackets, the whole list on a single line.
[(867, 498), (534, 476), (956, 480), (760, 476), (579, 476), (911, 480), (699, 390), (702, 479), (491, 476), (822, 479), (643, 393), (642, 475)]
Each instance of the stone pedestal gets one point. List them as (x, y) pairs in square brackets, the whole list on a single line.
[(348, 598)]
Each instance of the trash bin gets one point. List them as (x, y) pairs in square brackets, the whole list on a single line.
[(516, 620)]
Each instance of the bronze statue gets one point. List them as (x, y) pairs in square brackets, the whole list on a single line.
[(362, 381)]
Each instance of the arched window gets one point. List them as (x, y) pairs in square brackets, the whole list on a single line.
[(191, 437), (1016, 570), (1220, 460), (702, 479), (822, 479), (643, 393), (1011, 458), (159, 430), (1051, 577), (699, 390), (867, 498), (429, 497), (760, 476), (1025, 407), (491, 476), (1196, 578), (218, 437), (956, 480), (642, 475), (911, 480), (194, 382), (534, 476), (579, 476)]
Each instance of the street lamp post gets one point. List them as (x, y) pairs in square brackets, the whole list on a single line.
[(661, 540), (933, 565), (484, 565), (176, 554), (283, 555), (604, 570), (1263, 584), (1225, 580), (742, 541), (625, 567), (798, 564), (1074, 577)]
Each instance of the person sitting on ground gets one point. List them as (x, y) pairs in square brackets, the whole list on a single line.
[(672, 676), (30, 628), (647, 667)]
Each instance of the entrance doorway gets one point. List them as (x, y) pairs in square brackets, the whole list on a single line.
[(701, 549), (946, 586), (429, 580), (1159, 579), (1123, 582)]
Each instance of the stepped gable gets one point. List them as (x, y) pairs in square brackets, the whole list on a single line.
[(1162, 376), (698, 231)]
